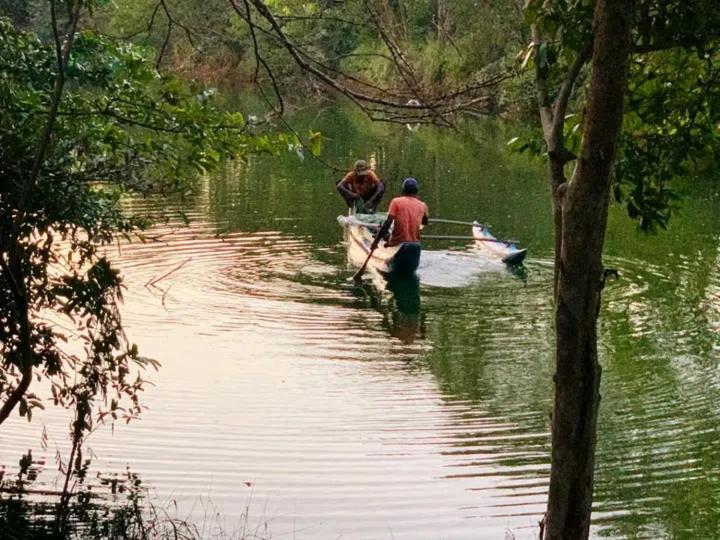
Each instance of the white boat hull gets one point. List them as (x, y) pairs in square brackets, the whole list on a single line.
[(402, 259), (507, 252)]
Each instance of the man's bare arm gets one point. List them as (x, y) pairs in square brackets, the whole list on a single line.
[(342, 188), (385, 227)]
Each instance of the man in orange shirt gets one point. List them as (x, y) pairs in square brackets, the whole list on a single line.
[(361, 188), (406, 215)]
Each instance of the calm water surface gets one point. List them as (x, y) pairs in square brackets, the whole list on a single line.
[(324, 409)]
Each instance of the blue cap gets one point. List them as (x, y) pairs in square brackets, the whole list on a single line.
[(410, 186)]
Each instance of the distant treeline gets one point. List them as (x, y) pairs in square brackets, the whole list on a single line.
[(440, 44)]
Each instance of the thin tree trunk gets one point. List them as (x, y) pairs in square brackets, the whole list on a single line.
[(580, 280), (557, 178), (442, 22), (13, 270), (552, 119)]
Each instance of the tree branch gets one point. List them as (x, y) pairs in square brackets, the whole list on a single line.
[(372, 104), (556, 142), (260, 60), (541, 83), (168, 32), (62, 54), (17, 394), (15, 252)]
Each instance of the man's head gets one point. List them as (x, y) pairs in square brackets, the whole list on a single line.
[(361, 167), (410, 186)]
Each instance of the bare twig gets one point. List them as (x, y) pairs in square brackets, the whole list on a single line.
[(375, 104), (152, 282), (259, 60), (168, 32)]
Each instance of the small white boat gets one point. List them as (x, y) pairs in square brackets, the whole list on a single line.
[(360, 229), (506, 250)]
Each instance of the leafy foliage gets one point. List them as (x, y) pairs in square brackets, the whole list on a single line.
[(104, 505), (122, 128), (670, 130), (438, 39), (566, 24), (673, 99)]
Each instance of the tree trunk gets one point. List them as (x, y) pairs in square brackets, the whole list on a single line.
[(443, 25), (580, 280), (557, 179)]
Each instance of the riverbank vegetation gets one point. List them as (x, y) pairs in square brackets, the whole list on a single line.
[(624, 96), (110, 506)]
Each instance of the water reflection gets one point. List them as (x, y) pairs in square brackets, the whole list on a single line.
[(397, 299), (404, 319), (374, 412)]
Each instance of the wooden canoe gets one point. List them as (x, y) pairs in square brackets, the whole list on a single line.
[(507, 251), (402, 260)]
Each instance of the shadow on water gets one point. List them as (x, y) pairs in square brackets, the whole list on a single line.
[(397, 299), (405, 320)]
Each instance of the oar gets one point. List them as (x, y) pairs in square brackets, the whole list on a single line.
[(450, 237), (452, 222), (356, 275)]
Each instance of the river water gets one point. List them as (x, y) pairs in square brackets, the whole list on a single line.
[(292, 401)]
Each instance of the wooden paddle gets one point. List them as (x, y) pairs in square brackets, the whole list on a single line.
[(358, 274)]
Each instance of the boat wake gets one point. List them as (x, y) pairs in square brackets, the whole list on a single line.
[(455, 268)]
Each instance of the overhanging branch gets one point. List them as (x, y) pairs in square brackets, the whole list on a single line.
[(376, 103)]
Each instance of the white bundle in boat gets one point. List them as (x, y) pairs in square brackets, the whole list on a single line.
[(371, 221)]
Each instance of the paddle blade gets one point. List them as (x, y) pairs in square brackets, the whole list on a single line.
[(357, 275)]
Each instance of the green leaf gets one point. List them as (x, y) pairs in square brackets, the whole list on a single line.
[(542, 56), (315, 142)]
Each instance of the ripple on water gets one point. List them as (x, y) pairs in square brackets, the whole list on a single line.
[(322, 419), (660, 390), (286, 388)]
